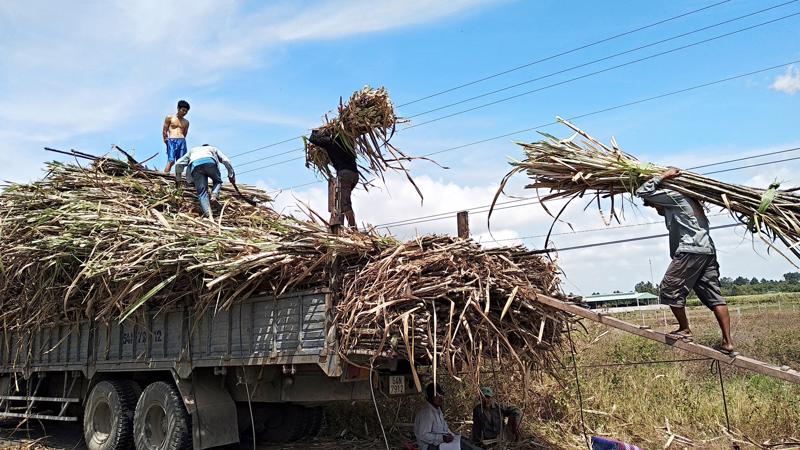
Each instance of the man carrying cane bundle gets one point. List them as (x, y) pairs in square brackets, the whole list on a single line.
[(694, 258)]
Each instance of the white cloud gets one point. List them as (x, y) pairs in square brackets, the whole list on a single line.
[(789, 82), (336, 19), (95, 66)]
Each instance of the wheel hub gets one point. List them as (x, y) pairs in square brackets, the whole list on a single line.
[(155, 426)]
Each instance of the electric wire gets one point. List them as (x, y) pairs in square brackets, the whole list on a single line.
[(591, 113), (513, 69), (605, 58), (483, 208), (556, 55), (598, 72)]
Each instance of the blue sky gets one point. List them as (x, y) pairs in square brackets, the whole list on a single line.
[(107, 73)]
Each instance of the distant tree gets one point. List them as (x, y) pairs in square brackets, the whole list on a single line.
[(764, 281), (740, 281), (645, 286), (595, 293), (617, 292), (754, 280), (792, 277), (726, 282)]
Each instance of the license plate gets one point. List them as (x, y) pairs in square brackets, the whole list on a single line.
[(397, 385)]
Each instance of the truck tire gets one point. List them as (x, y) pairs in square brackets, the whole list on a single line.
[(136, 389), (108, 416), (286, 424), (161, 421)]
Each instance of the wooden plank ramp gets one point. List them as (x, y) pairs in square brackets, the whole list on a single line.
[(783, 373)]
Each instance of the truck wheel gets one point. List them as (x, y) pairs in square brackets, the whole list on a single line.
[(136, 389), (161, 421), (108, 416), (285, 424)]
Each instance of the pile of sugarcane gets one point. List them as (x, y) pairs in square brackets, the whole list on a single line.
[(449, 294), (100, 242), (582, 167), (104, 241), (364, 125)]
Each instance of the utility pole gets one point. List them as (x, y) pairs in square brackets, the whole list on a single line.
[(462, 224)]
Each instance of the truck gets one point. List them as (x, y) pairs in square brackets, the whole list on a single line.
[(179, 377)]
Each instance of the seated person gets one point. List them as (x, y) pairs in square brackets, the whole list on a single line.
[(430, 428), (488, 418)]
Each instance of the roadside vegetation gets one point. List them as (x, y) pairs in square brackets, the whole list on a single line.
[(635, 403)]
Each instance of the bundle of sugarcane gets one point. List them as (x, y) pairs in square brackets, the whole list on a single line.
[(448, 302), (364, 126), (102, 241), (580, 165)]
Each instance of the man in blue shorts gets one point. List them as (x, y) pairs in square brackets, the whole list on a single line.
[(174, 132)]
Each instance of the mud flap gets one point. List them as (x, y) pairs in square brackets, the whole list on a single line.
[(213, 411)]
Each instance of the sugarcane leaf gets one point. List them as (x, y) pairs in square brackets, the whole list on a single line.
[(155, 290)]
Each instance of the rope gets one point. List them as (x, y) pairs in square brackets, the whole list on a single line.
[(578, 385), (722, 387), (377, 412), (639, 363), (249, 405)]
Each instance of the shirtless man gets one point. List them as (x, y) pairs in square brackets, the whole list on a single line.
[(175, 130)]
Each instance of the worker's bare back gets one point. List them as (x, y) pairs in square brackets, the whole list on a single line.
[(177, 126)]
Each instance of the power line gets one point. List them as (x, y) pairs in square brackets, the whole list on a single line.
[(751, 165), (441, 216), (270, 156), (744, 158), (547, 58), (607, 109), (295, 186), (513, 69), (434, 217), (591, 230), (597, 72), (273, 164), (622, 241), (450, 213), (605, 58), (620, 106), (266, 146)]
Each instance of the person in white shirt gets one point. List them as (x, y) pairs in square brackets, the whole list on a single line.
[(430, 428), (203, 164)]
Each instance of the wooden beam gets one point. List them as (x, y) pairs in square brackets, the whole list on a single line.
[(462, 219), (783, 373)]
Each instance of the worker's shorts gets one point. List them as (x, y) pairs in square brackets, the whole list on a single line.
[(176, 148), (689, 271), (347, 180)]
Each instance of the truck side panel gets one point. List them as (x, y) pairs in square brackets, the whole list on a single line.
[(263, 330)]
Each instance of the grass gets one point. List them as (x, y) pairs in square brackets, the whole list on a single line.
[(634, 403)]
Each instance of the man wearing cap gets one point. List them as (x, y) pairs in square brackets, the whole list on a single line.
[(430, 428), (488, 418)]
